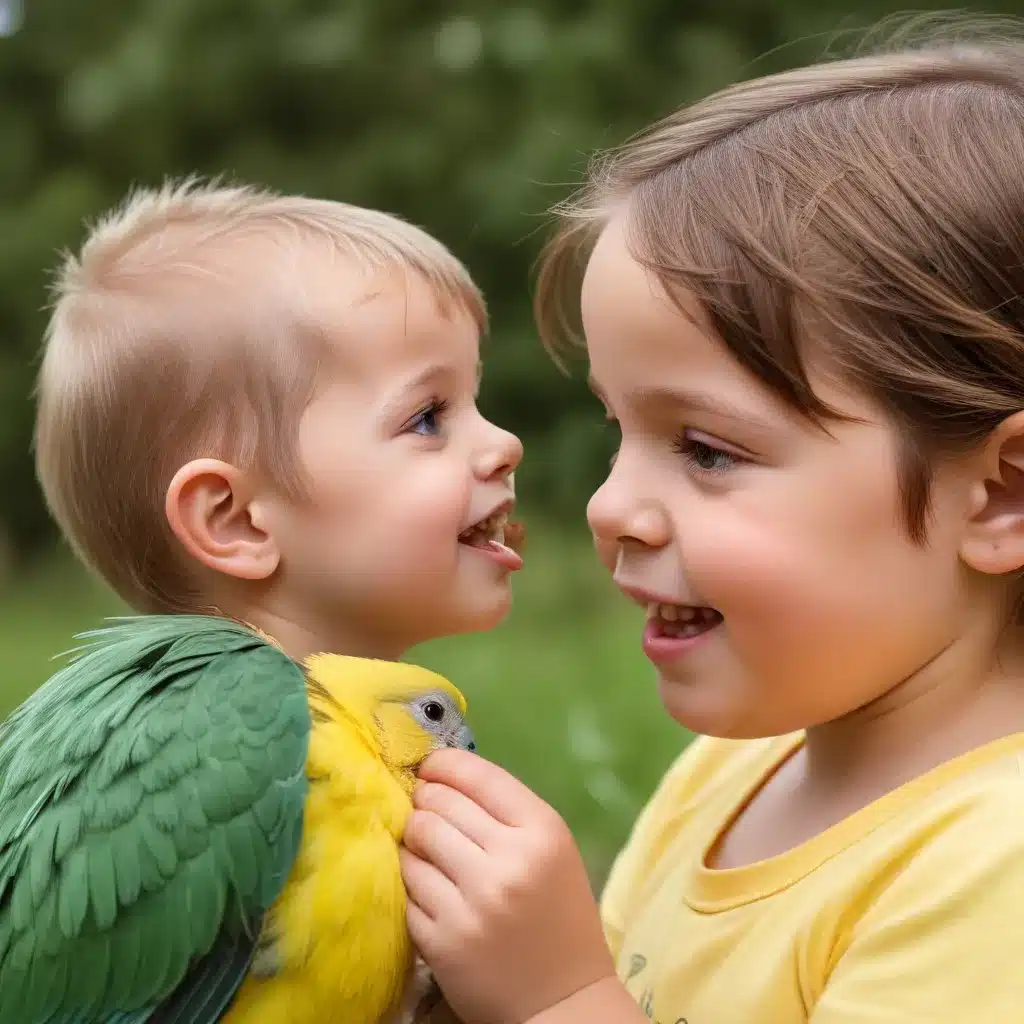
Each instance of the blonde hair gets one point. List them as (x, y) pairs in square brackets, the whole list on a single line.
[(159, 350), (869, 209)]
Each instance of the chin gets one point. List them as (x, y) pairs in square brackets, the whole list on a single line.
[(702, 711), (487, 614)]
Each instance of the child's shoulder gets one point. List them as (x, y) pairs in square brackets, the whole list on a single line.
[(977, 797), (973, 801)]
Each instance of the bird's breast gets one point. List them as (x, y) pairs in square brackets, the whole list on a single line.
[(339, 925)]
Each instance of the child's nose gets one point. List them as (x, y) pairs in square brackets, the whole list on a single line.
[(617, 515), (500, 456)]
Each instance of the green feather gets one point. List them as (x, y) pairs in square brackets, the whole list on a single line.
[(151, 803)]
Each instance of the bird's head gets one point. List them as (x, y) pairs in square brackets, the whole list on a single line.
[(405, 710)]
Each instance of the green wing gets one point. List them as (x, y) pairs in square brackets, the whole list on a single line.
[(151, 803)]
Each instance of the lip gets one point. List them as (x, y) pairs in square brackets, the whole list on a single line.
[(501, 507), (663, 650), (646, 597)]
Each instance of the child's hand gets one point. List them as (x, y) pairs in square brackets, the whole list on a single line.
[(500, 905)]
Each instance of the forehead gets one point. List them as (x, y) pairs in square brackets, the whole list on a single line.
[(652, 355), (397, 322), (639, 337), (376, 322)]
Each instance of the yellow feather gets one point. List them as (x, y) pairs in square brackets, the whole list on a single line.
[(339, 926)]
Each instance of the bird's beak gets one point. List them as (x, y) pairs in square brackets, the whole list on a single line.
[(464, 739)]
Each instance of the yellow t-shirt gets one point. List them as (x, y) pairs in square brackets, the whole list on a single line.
[(910, 910)]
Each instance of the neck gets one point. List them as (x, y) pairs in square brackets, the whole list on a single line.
[(971, 693), (300, 640)]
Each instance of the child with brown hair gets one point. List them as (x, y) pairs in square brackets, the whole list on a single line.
[(265, 406), (803, 304)]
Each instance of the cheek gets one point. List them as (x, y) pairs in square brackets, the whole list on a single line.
[(744, 566), (403, 524), (434, 502), (804, 549), (827, 582)]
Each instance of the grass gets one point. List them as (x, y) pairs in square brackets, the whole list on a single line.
[(560, 694)]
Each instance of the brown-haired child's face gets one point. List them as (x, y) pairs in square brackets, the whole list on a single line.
[(783, 589), (400, 463)]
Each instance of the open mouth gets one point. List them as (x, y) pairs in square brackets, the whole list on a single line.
[(497, 538), (487, 531), (681, 621), (495, 529)]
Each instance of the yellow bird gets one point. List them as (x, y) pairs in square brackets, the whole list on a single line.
[(195, 828)]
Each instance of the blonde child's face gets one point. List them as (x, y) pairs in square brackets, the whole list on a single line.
[(400, 463), (785, 590)]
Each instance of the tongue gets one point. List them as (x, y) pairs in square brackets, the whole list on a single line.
[(503, 555)]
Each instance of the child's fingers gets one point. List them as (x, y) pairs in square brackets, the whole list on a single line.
[(420, 925), (427, 888), (504, 797), (457, 809), (439, 842)]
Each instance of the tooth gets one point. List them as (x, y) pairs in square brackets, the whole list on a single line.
[(652, 610), (687, 614), (669, 612)]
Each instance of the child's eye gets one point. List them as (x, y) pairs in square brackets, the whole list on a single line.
[(704, 456), (427, 423)]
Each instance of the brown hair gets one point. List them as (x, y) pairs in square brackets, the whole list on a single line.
[(162, 348), (873, 204)]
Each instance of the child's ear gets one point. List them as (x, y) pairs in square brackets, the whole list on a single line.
[(213, 512), (994, 540)]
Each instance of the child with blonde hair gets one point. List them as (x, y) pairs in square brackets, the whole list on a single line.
[(803, 304), (265, 406)]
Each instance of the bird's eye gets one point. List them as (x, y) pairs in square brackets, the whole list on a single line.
[(433, 711)]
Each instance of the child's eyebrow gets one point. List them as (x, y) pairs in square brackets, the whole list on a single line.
[(692, 401), (437, 375), (429, 377), (683, 398)]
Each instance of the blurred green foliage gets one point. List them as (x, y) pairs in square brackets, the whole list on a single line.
[(470, 119)]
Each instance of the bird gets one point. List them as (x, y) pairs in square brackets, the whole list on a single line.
[(195, 827)]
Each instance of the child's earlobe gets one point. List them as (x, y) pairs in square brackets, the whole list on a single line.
[(218, 522)]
